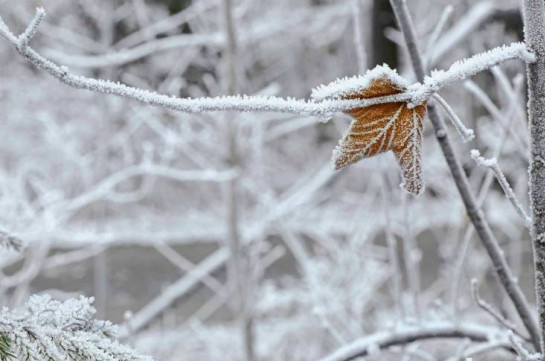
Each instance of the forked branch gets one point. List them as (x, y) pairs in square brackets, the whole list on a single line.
[(474, 212)]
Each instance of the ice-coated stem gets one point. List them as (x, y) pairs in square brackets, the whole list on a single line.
[(534, 33), (475, 214)]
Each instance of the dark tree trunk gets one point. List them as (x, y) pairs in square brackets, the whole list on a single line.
[(384, 50)]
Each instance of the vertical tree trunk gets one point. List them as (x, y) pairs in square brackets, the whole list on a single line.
[(534, 33), (383, 50)]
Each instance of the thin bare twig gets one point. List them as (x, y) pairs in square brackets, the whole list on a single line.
[(485, 306), (492, 164), (465, 133)]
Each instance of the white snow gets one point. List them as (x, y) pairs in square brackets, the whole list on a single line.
[(340, 88)]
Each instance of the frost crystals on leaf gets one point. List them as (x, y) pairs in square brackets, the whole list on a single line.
[(382, 127)]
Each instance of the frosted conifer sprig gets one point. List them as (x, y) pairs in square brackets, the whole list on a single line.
[(57, 331)]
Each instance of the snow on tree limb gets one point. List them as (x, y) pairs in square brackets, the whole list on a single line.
[(438, 330), (466, 68), (32, 28), (416, 93)]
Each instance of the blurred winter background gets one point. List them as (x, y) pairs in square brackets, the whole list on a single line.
[(226, 236)]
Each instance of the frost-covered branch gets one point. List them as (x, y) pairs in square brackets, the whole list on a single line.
[(32, 28), (103, 189), (492, 164), (466, 68), (416, 94), (438, 330), (57, 331), (242, 103)]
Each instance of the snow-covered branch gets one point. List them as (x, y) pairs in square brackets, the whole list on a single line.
[(416, 94), (386, 339), (466, 68)]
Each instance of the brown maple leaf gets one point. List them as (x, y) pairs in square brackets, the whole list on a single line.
[(383, 127)]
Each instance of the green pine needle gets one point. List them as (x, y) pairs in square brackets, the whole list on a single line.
[(5, 348)]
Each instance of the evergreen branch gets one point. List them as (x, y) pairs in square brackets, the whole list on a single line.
[(56, 331)]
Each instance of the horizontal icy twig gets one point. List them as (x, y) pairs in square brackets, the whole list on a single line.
[(465, 133), (465, 68), (416, 93), (436, 330), (492, 163), (125, 56)]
